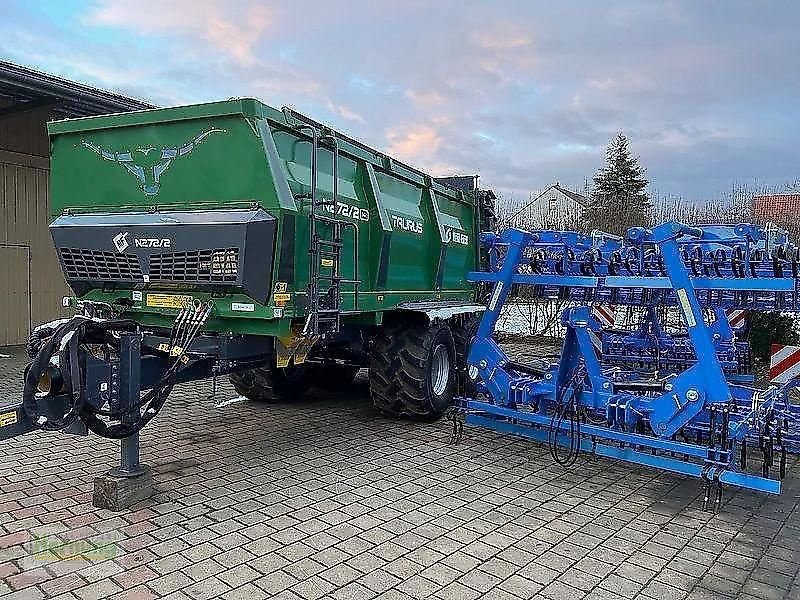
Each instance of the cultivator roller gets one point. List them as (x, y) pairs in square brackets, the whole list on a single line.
[(679, 401)]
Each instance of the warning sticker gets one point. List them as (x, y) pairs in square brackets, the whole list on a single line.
[(8, 418), (243, 306), (281, 299), (683, 300), (496, 295), (168, 300)]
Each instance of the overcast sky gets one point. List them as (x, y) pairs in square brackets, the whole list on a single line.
[(523, 93)]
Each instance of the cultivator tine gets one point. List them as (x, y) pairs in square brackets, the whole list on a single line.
[(780, 441), (743, 455), (456, 417), (213, 395)]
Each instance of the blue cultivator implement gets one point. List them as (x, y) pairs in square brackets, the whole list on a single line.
[(682, 402), (651, 346)]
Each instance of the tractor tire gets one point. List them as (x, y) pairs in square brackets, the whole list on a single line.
[(412, 370), (335, 377), (274, 384)]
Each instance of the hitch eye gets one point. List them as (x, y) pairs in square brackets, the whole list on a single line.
[(50, 381)]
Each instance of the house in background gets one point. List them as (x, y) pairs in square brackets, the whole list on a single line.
[(555, 207), (777, 207)]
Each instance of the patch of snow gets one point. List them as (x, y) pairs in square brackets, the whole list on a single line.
[(225, 403), (52, 324)]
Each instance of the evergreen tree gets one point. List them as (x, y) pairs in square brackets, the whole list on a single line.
[(618, 198)]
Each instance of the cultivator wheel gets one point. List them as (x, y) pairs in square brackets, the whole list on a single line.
[(413, 370), (274, 384)]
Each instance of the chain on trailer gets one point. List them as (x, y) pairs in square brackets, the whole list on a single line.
[(63, 353), (681, 401)]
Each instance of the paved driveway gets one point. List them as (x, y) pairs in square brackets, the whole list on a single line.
[(325, 499)]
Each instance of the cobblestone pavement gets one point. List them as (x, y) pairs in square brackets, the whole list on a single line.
[(324, 499)]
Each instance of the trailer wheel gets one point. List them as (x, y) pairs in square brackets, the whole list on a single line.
[(274, 384), (383, 363), (413, 370)]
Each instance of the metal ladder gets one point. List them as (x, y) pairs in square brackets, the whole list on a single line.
[(325, 305)]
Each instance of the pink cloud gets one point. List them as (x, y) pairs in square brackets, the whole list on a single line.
[(233, 28), (421, 146), (426, 98), (414, 142), (504, 47), (502, 37)]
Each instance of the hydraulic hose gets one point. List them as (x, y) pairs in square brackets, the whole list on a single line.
[(70, 334), (187, 326), (67, 339), (571, 410)]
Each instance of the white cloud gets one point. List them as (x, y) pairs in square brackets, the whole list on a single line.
[(342, 111)]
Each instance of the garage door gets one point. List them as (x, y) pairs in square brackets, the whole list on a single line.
[(15, 295)]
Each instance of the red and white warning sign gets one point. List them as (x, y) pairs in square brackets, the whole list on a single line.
[(736, 317), (606, 315), (784, 363)]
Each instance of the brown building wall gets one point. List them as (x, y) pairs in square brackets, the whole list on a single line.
[(31, 283)]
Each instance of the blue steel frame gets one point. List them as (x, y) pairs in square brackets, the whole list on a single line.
[(694, 420)]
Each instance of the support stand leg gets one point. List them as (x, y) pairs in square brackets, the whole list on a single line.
[(131, 481), (129, 465), (127, 484)]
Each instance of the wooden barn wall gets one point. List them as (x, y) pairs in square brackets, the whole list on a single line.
[(24, 218)]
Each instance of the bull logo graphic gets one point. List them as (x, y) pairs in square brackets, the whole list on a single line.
[(149, 163)]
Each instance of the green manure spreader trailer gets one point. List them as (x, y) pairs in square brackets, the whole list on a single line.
[(233, 238)]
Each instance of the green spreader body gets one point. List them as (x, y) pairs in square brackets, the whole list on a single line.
[(213, 201)]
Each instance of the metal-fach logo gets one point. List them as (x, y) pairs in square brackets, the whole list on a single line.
[(121, 241), (454, 236), (148, 163)]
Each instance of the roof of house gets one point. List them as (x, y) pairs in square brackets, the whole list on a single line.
[(29, 89), (579, 198), (574, 196), (776, 204), (783, 196)]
